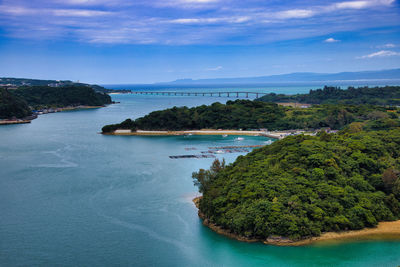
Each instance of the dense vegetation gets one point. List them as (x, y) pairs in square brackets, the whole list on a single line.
[(17, 82), (388, 95), (46, 96), (302, 186), (12, 106), (245, 114)]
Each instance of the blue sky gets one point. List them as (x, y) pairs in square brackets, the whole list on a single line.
[(145, 41)]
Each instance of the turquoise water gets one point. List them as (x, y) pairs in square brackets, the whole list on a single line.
[(279, 88), (72, 197)]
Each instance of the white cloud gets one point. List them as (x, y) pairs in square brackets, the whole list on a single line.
[(199, 1), (22, 11), (361, 4), (195, 20), (352, 5), (294, 14), (387, 46), (215, 69), (82, 2), (79, 13), (210, 20), (16, 10), (382, 53), (331, 40), (184, 4)]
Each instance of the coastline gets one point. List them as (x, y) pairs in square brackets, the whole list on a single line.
[(29, 119), (9, 122), (384, 231), (74, 108), (275, 135)]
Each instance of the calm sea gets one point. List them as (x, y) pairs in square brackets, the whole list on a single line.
[(72, 197)]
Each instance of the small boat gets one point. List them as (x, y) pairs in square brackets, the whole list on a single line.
[(219, 152), (224, 135), (240, 139)]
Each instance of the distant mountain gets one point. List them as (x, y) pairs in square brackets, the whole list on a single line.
[(392, 74)]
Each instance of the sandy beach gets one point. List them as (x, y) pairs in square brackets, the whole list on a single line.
[(276, 135), (384, 231), (8, 122), (79, 107)]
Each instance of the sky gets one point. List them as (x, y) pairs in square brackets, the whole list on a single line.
[(147, 41)]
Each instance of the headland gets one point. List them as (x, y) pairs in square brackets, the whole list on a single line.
[(275, 135), (384, 231)]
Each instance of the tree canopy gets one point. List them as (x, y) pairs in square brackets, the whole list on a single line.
[(387, 95), (302, 185), (12, 106), (46, 96), (246, 114)]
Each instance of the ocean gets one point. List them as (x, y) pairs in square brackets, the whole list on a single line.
[(70, 196)]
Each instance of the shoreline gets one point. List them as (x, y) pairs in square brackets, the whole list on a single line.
[(81, 107), (275, 135), (10, 122), (384, 231), (55, 110), (47, 111)]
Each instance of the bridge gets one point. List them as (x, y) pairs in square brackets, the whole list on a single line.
[(219, 94)]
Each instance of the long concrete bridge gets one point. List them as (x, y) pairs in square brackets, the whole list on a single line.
[(219, 94)]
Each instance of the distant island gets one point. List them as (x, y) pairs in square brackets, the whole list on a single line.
[(24, 103), (246, 114), (299, 77)]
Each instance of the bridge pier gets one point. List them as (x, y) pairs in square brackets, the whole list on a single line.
[(236, 94)]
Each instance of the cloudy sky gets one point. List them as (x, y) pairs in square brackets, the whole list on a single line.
[(144, 41)]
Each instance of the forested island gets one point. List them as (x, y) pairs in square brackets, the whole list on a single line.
[(387, 95), (19, 103), (246, 114), (302, 186)]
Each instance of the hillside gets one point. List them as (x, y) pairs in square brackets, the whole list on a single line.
[(302, 186), (246, 114), (388, 95), (17, 82), (46, 96), (12, 106)]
